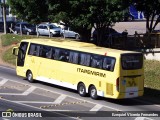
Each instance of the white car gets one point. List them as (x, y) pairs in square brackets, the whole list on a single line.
[(67, 32), (46, 29)]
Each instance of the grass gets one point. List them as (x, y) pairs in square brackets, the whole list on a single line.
[(9, 57), (10, 39), (152, 74)]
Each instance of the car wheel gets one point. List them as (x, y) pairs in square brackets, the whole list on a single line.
[(30, 77), (93, 92), (82, 90), (76, 37)]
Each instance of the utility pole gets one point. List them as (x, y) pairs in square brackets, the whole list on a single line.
[(4, 16)]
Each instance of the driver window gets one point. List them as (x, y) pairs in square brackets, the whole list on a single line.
[(45, 27), (22, 53)]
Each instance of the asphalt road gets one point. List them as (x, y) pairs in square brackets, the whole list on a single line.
[(23, 97)]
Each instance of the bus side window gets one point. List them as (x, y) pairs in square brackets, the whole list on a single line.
[(85, 59), (56, 55), (73, 57), (45, 51), (109, 63), (64, 55), (32, 49), (42, 53), (53, 53), (96, 61), (37, 50), (49, 52)]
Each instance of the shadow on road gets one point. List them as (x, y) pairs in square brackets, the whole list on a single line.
[(150, 97)]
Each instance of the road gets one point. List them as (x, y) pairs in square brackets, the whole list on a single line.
[(52, 101)]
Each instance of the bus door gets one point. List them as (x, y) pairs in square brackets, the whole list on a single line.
[(33, 59), (46, 64), (132, 74), (21, 58)]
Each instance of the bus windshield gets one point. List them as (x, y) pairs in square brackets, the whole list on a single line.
[(132, 61)]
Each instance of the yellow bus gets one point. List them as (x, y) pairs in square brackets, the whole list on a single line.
[(84, 67)]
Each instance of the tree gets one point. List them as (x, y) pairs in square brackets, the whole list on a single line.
[(33, 11), (151, 10), (73, 14), (104, 13), (81, 15)]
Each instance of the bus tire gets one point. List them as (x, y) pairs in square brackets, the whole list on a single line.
[(93, 92), (30, 77), (82, 90)]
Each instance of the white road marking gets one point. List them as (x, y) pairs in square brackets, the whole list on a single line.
[(7, 68), (63, 110), (96, 107), (10, 94), (27, 92), (2, 82), (30, 90), (40, 109), (5, 119), (41, 102), (61, 94), (59, 99)]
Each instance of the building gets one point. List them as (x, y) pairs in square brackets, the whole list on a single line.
[(9, 16)]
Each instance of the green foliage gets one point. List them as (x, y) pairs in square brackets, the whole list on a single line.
[(81, 15), (9, 39), (9, 57), (33, 11), (152, 74)]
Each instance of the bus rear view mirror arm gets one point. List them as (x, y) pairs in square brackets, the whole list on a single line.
[(15, 51)]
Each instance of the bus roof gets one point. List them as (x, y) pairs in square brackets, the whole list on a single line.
[(79, 46)]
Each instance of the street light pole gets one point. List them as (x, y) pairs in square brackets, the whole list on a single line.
[(4, 16)]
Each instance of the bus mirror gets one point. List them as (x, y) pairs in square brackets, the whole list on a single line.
[(15, 51)]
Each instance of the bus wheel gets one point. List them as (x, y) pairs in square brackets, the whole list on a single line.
[(82, 90), (93, 92), (30, 76)]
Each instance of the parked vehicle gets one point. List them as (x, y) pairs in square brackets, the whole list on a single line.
[(67, 32), (46, 29), (109, 37), (26, 28), (108, 33), (9, 24)]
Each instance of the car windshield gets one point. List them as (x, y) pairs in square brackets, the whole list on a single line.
[(52, 26)]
